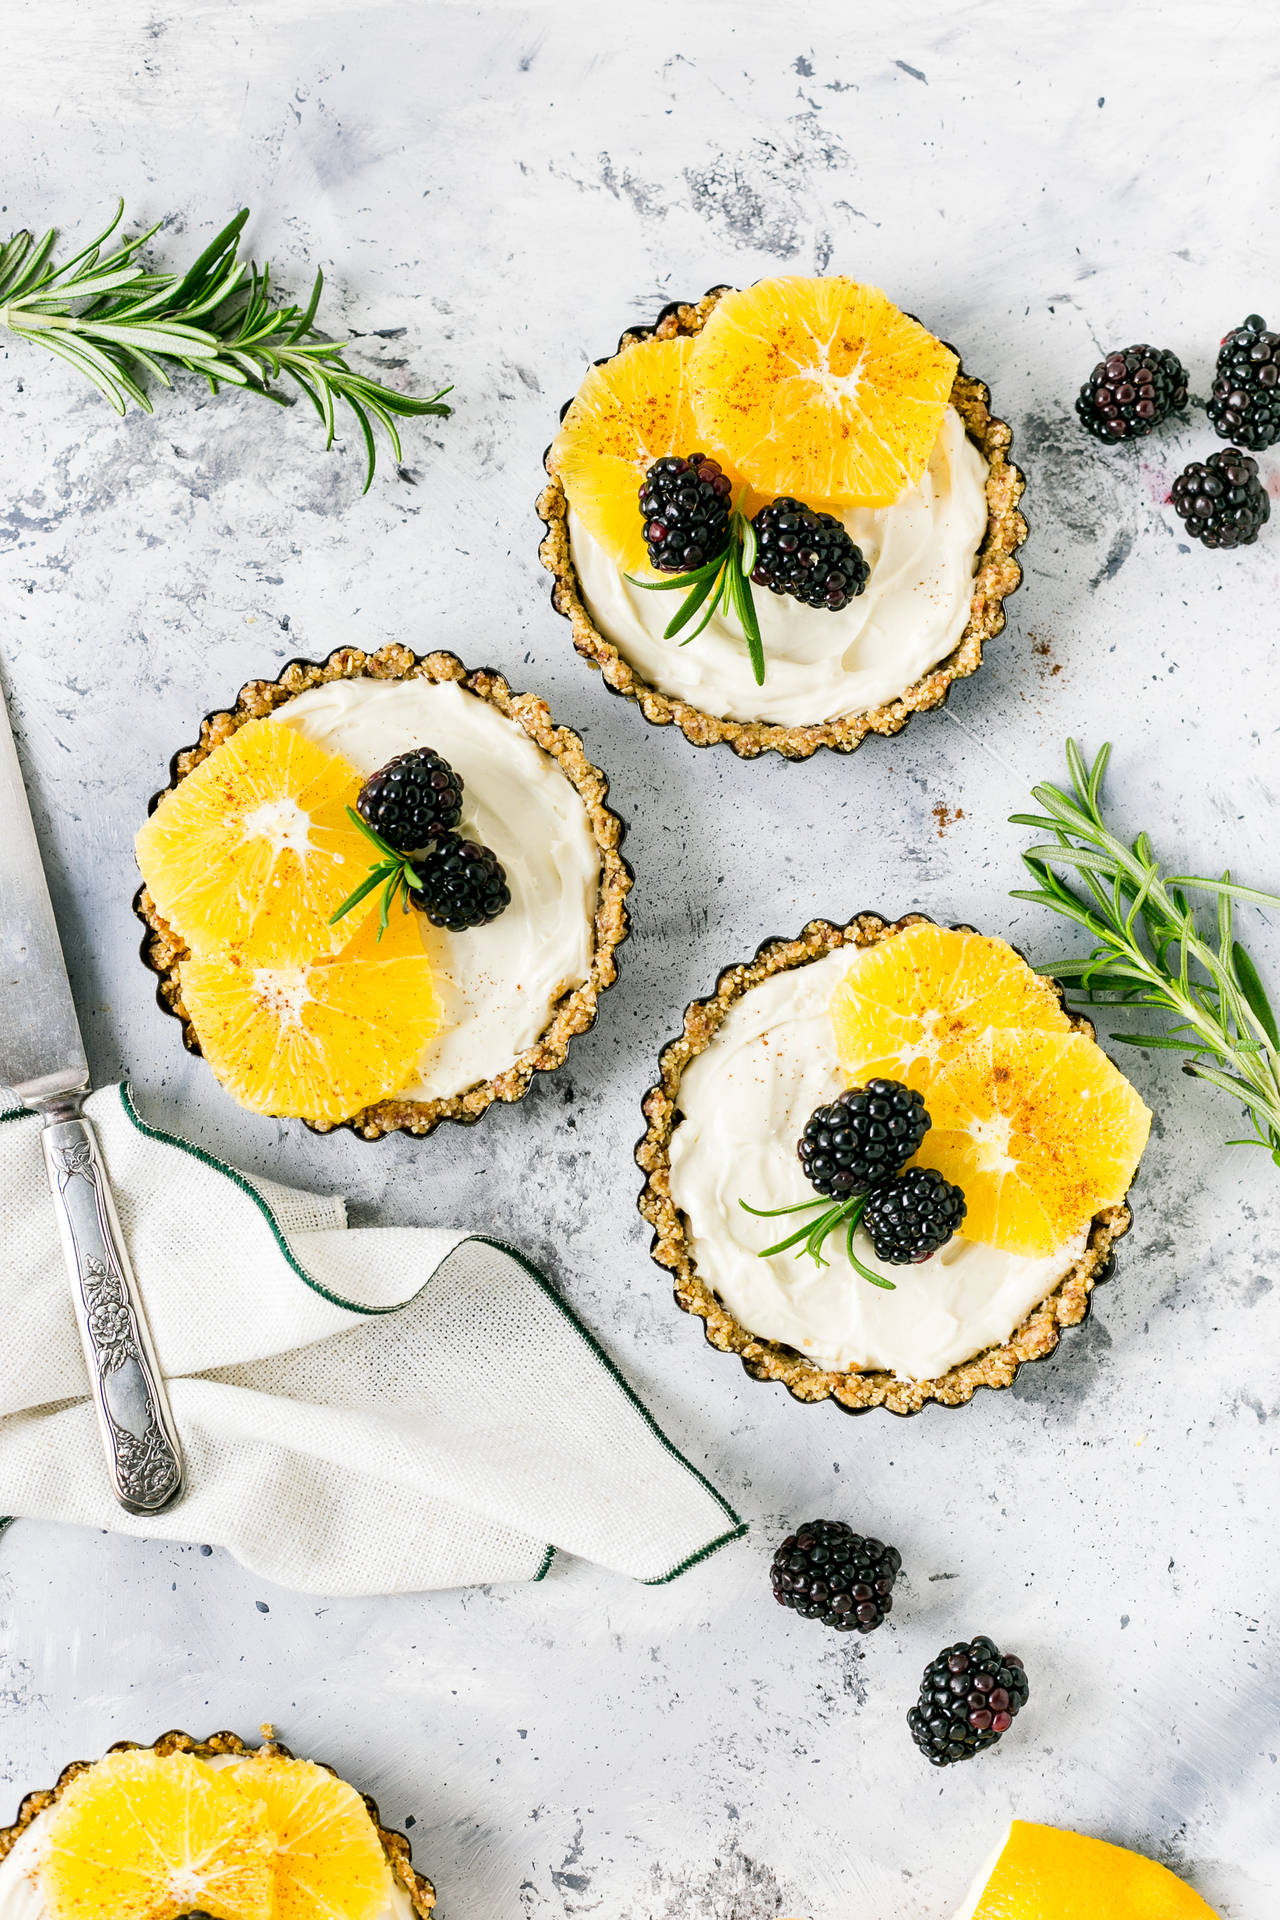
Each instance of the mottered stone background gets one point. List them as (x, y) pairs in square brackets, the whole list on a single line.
[(493, 194)]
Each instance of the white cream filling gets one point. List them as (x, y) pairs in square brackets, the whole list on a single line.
[(20, 1870), (819, 665), (745, 1101), (498, 984)]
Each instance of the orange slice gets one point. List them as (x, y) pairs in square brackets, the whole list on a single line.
[(822, 389), (317, 1039), (1044, 1873), (627, 413), (137, 1837), (329, 1862), (912, 1002), (1040, 1130), (254, 847)]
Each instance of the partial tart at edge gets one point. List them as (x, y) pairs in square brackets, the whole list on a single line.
[(998, 574), (163, 950), (770, 1360)]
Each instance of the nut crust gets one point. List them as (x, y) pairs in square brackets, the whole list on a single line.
[(856, 1391), (163, 949), (998, 575), (422, 1895)]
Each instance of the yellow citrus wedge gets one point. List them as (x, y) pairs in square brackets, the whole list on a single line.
[(820, 388), (912, 1002), (627, 413), (317, 1039), (137, 1837), (329, 1862), (1045, 1873), (254, 847), (1040, 1130)]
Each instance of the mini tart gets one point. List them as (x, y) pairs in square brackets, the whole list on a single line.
[(855, 1390), (163, 949), (418, 1890), (997, 575)]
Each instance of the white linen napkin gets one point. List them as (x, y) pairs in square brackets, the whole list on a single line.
[(363, 1410)]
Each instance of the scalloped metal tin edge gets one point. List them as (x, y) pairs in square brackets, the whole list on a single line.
[(1111, 1224)]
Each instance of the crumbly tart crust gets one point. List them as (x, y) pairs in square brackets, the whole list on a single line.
[(163, 949), (998, 575), (855, 1391), (422, 1895)]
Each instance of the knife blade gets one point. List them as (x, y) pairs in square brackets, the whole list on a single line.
[(42, 1059)]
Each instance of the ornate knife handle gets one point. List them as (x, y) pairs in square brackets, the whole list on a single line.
[(143, 1455)]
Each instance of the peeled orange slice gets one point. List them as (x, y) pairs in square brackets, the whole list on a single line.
[(913, 1001), (329, 1862), (820, 388), (1040, 1130), (137, 1837), (316, 1039), (626, 414), (254, 847), (1044, 1873)]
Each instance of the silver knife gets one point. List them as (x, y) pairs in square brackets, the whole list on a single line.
[(42, 1059)]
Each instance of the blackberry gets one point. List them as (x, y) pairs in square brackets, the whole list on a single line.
[(863, 1135), (463, 885), (412, 800), (809, 555), (910, 1216), (968, 1698), (685, 504), (825, 1571), (1130, 392), (1245, 403), (1221, 500)]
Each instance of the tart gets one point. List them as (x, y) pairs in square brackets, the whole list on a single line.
[(905, 457), (1005, 1072), (205, 1826), (318, 988)]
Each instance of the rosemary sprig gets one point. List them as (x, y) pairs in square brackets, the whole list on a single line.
[(814, 1233), (116, 322), (394, 873), (724, 581), (1148, 950)]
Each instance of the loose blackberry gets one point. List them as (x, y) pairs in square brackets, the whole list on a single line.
[(910, 1216), (826, 1571), (1221, 500), (463, 885), (866, 1133), (412, 800), (968, 1698), (1132, 391), (685, 505), (1245, 403), (809, 555)]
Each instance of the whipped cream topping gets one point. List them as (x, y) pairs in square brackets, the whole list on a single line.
[(498, 984), (745, 1101), (819, 665), (20, 1870)]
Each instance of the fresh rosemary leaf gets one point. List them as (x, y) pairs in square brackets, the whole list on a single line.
[(1148, 949), (815, 1233), (721, 582), (117, 324)]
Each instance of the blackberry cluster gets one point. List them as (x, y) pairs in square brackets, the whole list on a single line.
[(911, 1215), (1245, 403), (968, 1698), (463, 885), (809, 555), (866, 1133), (684, 501), (1221, 500), (1132, 391), (411, 800), (825, 1571)]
